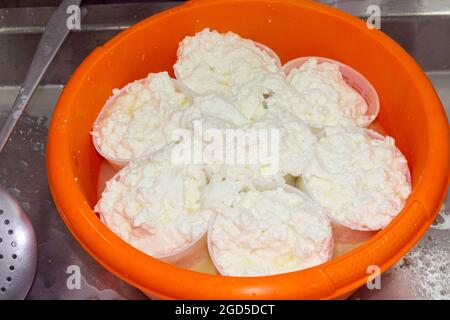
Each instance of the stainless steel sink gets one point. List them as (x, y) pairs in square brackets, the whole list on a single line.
[(421, 27)]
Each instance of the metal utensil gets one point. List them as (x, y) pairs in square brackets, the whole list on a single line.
[(18, 249)]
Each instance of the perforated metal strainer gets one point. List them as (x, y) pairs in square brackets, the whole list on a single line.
[(18, 250)]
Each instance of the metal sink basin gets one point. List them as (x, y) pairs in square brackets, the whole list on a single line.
[(421, 27)]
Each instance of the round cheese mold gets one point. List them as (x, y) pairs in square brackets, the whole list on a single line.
[(213, 62), (156, 207), (360, 177), (133, 121), (267, 232), (331, 93)]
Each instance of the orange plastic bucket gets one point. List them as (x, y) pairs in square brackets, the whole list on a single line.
[(410, 112)]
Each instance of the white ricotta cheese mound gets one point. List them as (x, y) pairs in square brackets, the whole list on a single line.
[(245, 175), (132, 123), (156, 206), (219, 115), (258, 233), (295, 142), (326, 99), (255, 97), (278, 126), (213, 62), (213, 110), (361, 181)]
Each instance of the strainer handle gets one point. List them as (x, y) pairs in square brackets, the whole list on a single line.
[(54, 34)]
